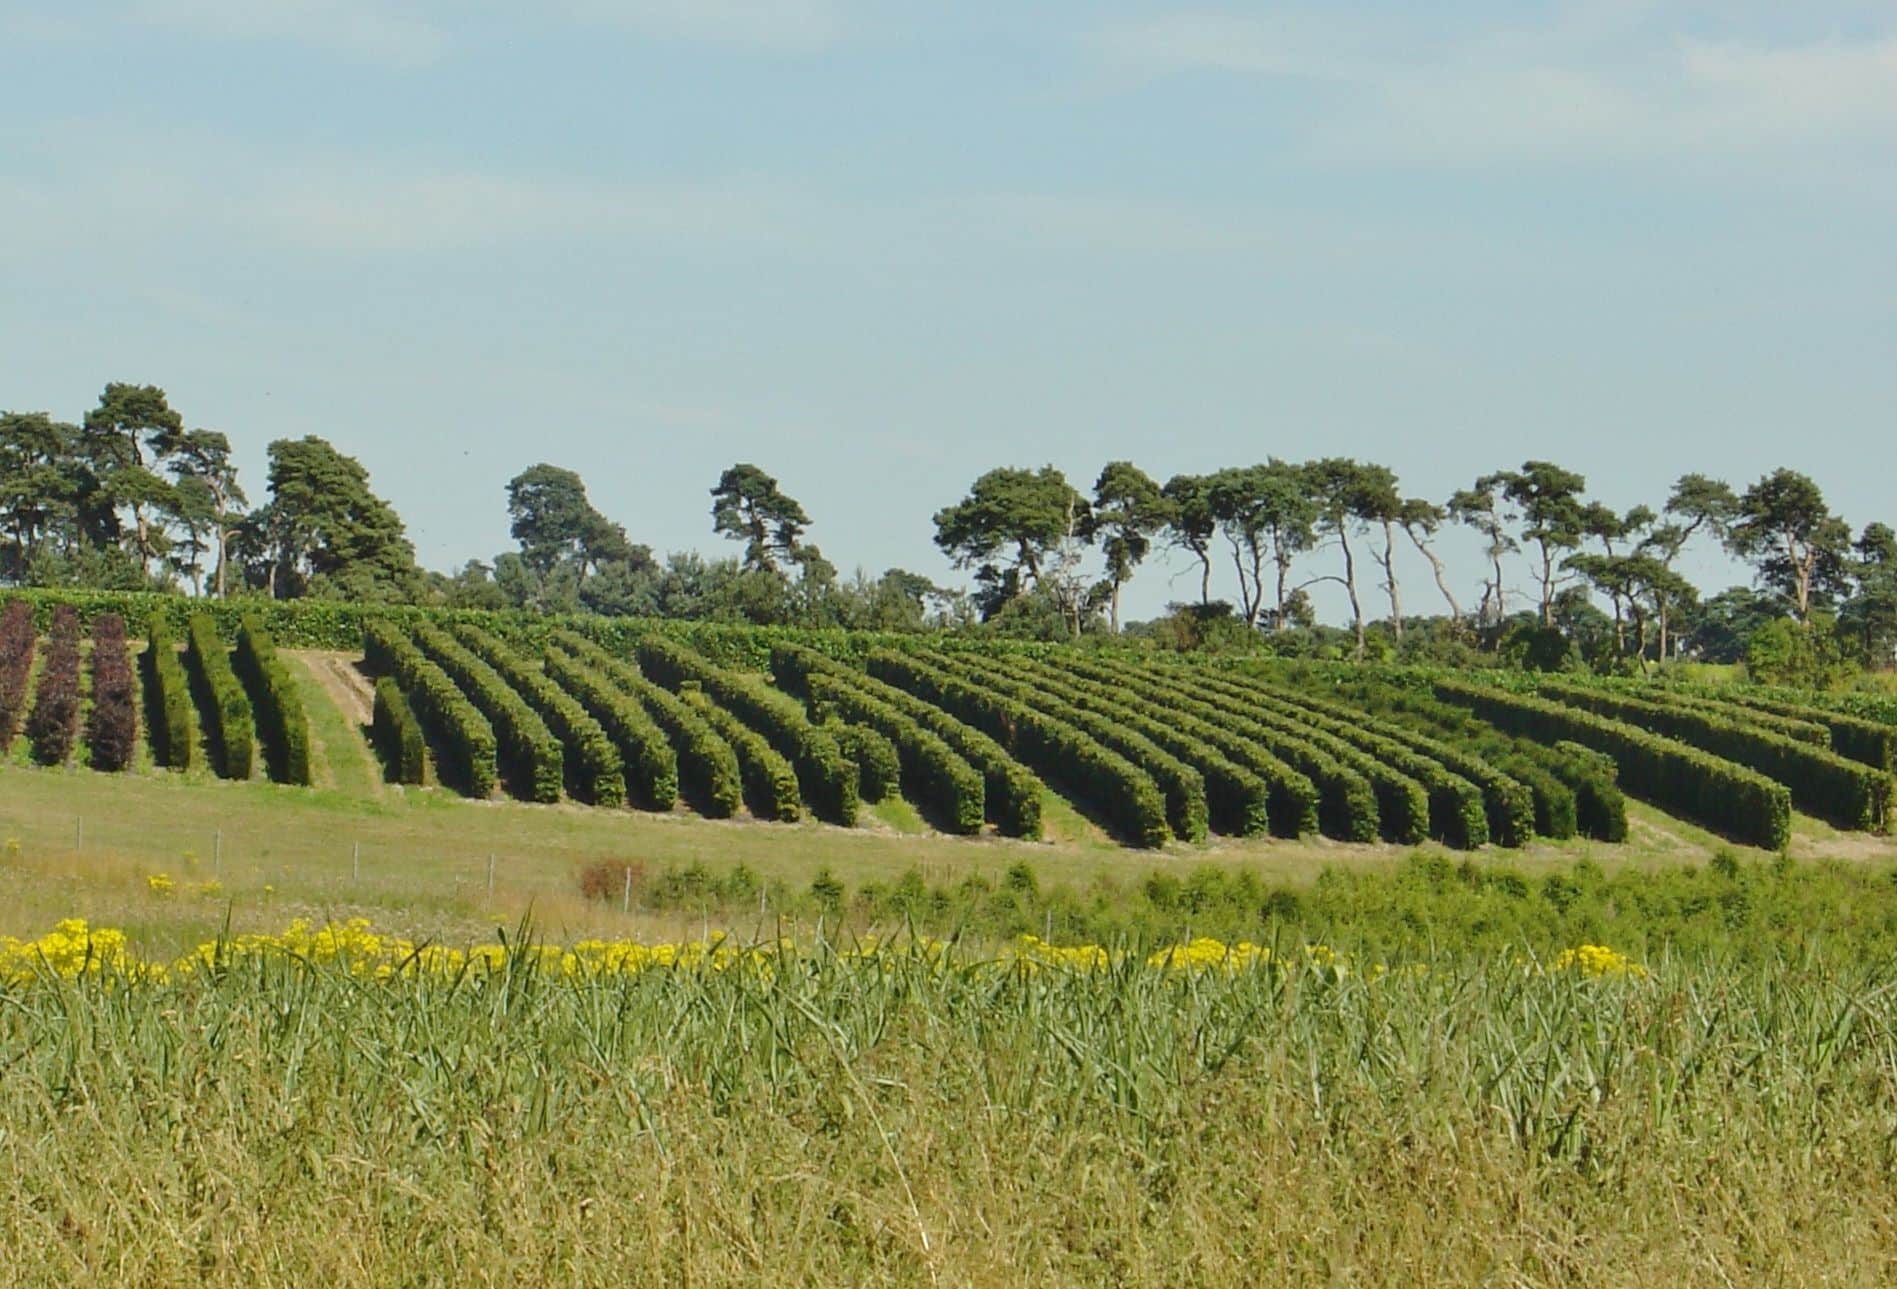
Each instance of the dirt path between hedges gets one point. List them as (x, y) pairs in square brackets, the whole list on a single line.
[(346, 686)]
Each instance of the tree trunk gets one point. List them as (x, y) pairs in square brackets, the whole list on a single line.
[(1350, 586), (1113, 608), (1436, 566), (1205, 578), (1389, 580)]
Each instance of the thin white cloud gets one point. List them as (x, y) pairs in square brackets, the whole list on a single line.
[(779, 26), (1595, 83), (376, 32)]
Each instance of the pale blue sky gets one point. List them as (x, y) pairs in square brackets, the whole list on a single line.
[(878, 248)]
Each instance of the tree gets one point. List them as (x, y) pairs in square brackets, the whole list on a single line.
[(1128, 509), (1601, 523), (209, 501), (1014, 523), (1784, 529), (38, 489), (1419, 520), (748, 506), (1191, 525), (1697, 504), (1266, 513), (1378, 502), (324, 532), (1871, 614), (1480, 508), (1546, 501), (1345, 495), (129, 420), (1727, 620)]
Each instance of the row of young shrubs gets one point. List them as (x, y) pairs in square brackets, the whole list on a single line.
[(397, 734), (53, 723), (1347, 806), (592, 759), (669, 745), (1732, 800), (168, 698), (17, 639), (1179, 782), (461, 733), (529, 751), (828, 778), (1846, 793), (1464, 791), (1122, 793), (949, 788), (112, 725), (221, 696), (281, 718)]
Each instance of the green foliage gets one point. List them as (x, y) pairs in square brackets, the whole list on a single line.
[(324, 533), (221, 700), (1872, 742), (770, 781), (464, 739), (1845, 793), (945, 782), (281, 720), (1120, 791), (878, 768), (590, 756), (827, 776), (168, 692), (1730, 799), (528, 748), (708, 768), (1803, 655), (398, 734), (651, 766)]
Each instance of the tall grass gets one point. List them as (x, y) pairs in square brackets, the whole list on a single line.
[(898, 1119)]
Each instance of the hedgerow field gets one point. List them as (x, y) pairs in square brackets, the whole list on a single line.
[(368, 946)]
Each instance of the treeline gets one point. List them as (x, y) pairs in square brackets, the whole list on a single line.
[(130, 498)]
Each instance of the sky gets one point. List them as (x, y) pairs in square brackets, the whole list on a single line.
[(879, 248)]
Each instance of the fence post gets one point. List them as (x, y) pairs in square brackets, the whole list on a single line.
[(217, 851), (625, 901), (490, 872), (355, 861), (78, 835)]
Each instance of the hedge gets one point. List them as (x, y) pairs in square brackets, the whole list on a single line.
[(1732, 800), (228, 720), (1248, 789), (1348, 807), (529, 751), (827, 776), (1471, 801), (878, 768), (1182, 784), (53, 723), (1872, 742), (398, 734), (707, 767), (650, 764), (17, 638), (464, 740), (1842, 792), (170, 715), (112, 728), (770, 781), (590, 755), (1119, 790), (281, 719), (936, 747)]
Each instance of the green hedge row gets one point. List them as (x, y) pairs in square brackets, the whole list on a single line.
[(937, 749), (1842, 792), (828, 777), (1248, 790), (398, 734), (1352, 802), (707, 768), (282, 721), (1872, 742), (590, 755), (1728, 798), (169, 715), (650, 764), (1120, 791), (1181, 784), (221, 697), (770, 780), (529, 751), (1471, 801), (878, 768), (463, 738)]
